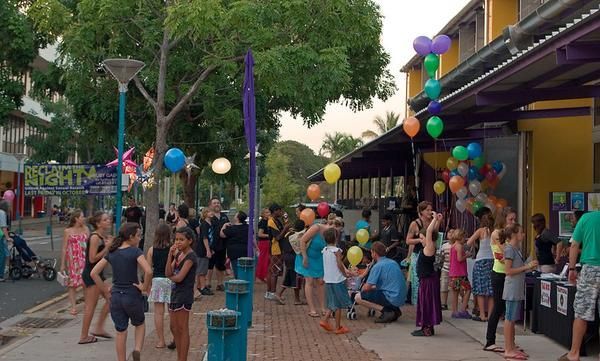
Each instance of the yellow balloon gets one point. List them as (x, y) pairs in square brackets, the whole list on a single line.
[(439, 187), (452, 163), (332, 173), (362, 236), (355, 255)]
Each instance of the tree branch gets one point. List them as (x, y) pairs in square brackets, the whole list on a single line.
[(190, 92), (162, 75), (142, 89)]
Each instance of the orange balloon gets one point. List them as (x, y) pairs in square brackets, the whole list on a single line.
[(411, 126), (501, 203), (456, 183), (492, 199), (313, 192), (308, 216)]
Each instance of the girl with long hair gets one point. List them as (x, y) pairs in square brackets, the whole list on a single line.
[(126, 299), (482, 270), (414, 238), (97, 247), (73, 255)]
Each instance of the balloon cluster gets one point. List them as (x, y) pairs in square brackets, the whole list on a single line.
[(469, 177), (129, 167), (8, 195), (431, 50)]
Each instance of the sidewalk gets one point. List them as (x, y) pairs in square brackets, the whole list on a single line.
[(279, 333)]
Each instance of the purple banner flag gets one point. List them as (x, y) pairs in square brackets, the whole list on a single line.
[(250, 133)]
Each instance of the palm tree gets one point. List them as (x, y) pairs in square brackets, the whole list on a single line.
[(382, 125), (338, 144)]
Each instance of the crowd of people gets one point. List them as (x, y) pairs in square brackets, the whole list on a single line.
[(190, 252)]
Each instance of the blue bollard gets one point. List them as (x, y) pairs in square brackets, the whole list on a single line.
[(246, 273), (236, 298), (223, 327)]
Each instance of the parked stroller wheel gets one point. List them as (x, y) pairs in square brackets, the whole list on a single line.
[(49, 274), (351, 315), (371, 312), (15, 273)]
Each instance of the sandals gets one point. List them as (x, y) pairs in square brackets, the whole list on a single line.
[(102, 335), (478, 319), (566, 358), (89, 339), (342, 330), (314, 314), (326, 326), (493, 348), (73, 311), (516, 356)]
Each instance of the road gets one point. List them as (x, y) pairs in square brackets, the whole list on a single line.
[(16, 297)]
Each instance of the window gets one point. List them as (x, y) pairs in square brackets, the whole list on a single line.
[(526, 7), (466, 41)]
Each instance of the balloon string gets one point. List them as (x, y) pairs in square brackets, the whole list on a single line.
[(412, 144)]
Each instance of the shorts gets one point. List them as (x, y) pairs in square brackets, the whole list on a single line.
[(512, 311), (460, 283), (218, 260), (161, 290), (87, 277), (444, 281), (377, 297), (588, 288), (126, 305), (174, 307), (202, 268), (276, 265)]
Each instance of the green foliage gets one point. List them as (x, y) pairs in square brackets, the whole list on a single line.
[(383, 125), (59, 141), (278, 185), (338, 144), (302, 161)]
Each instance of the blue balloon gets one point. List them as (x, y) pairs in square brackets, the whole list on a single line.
[(174, 160), (434, 107), (497, 166), (453, 173), (474, 150), (473, 173), (480, 177)]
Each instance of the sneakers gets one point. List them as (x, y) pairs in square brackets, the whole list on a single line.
[(220, 288), (462, 315), (206, 292), (387, 317), (2, 279), (269, 296), (444, 307)]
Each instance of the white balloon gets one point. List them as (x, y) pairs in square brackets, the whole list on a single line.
[(463, 169), (491, 206), (482, 197), (503, 171), (475, 187), (462, 193), (461, 205)]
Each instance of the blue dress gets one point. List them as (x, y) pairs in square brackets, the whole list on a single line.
[(315, 258)]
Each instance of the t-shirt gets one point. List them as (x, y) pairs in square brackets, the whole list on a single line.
[(183, 292), (124, 267), (162, 213), (206, 231), (587, 232), (389, 235), (171, 217), (134, 214), (543, 244), (217, 223), (236, 241), (331, 270), (386, 276), (264, 225), (514, 286), (498, 258), (159, 261), (275, 228), (446, 246)]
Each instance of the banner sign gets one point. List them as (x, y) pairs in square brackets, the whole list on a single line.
[(545, 288), (562, 299), (70, 179)]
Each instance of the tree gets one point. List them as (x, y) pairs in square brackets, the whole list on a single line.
[(302, 161), (308, 53), (382, 125), (338, 144), (279, 186)]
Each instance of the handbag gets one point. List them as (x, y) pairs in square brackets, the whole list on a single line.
[(146, 304), (62, 278)]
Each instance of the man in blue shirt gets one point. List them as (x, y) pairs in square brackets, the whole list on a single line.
[(385, 289)]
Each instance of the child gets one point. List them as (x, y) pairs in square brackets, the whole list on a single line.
[(126, 301), (160, 294), (290, 278), (459, 283), (204, 251), (181, 269), (445, 277), (514, 287), (335, 283)]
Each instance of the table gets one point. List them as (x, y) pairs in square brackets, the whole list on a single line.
[(550, 321)]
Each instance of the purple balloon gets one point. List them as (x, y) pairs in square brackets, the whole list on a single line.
[(422, 45), (441, 44), (434, 107)]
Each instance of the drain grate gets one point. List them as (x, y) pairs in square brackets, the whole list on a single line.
[(35, 322)]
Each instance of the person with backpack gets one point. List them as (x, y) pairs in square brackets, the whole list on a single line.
[(290, 278)]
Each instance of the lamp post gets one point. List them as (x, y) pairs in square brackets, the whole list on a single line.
[(123, 70), (19, 157), (221, 166), (257, 192)]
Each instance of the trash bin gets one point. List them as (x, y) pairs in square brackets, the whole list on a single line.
[(246, 273), (223, 330), (41, 214), (237, 298)]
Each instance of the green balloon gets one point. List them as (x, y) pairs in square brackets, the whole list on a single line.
[(433, 89), (478, 162), (435, 126), (477, 205), (460, 153), (431, 63)]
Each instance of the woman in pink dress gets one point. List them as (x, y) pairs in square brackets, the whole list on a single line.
[(73, 254)]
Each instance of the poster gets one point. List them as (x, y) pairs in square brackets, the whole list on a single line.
[(559, 201), (565, 224), (593, 202), (69, 179), (545, 288), (577, 201), (562, 299)]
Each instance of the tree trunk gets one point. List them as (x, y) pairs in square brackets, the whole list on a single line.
[(189, 188), (90, 205)]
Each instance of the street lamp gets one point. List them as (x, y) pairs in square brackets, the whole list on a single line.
[(123, 70), (19, 157), (221, 166), (257, 188)]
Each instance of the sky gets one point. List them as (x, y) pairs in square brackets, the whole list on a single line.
[(402, 22)]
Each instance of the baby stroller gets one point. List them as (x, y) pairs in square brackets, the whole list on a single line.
[(23, 262), (354, 285)]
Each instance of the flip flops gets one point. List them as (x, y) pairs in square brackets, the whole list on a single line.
[(326, 326), (89, 339), (342, 330), (314, 314), (493, 348), (102, 335), (565, 358), (517, 356)]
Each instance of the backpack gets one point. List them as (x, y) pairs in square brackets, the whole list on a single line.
[(294, 239)]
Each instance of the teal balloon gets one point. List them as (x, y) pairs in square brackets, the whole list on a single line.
[(433, 89), (478, 162), (435, 126), (431, 64), (460, 153)]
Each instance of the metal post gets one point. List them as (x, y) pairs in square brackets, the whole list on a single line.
[(18, 190), (120, 145), (246, 273)]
